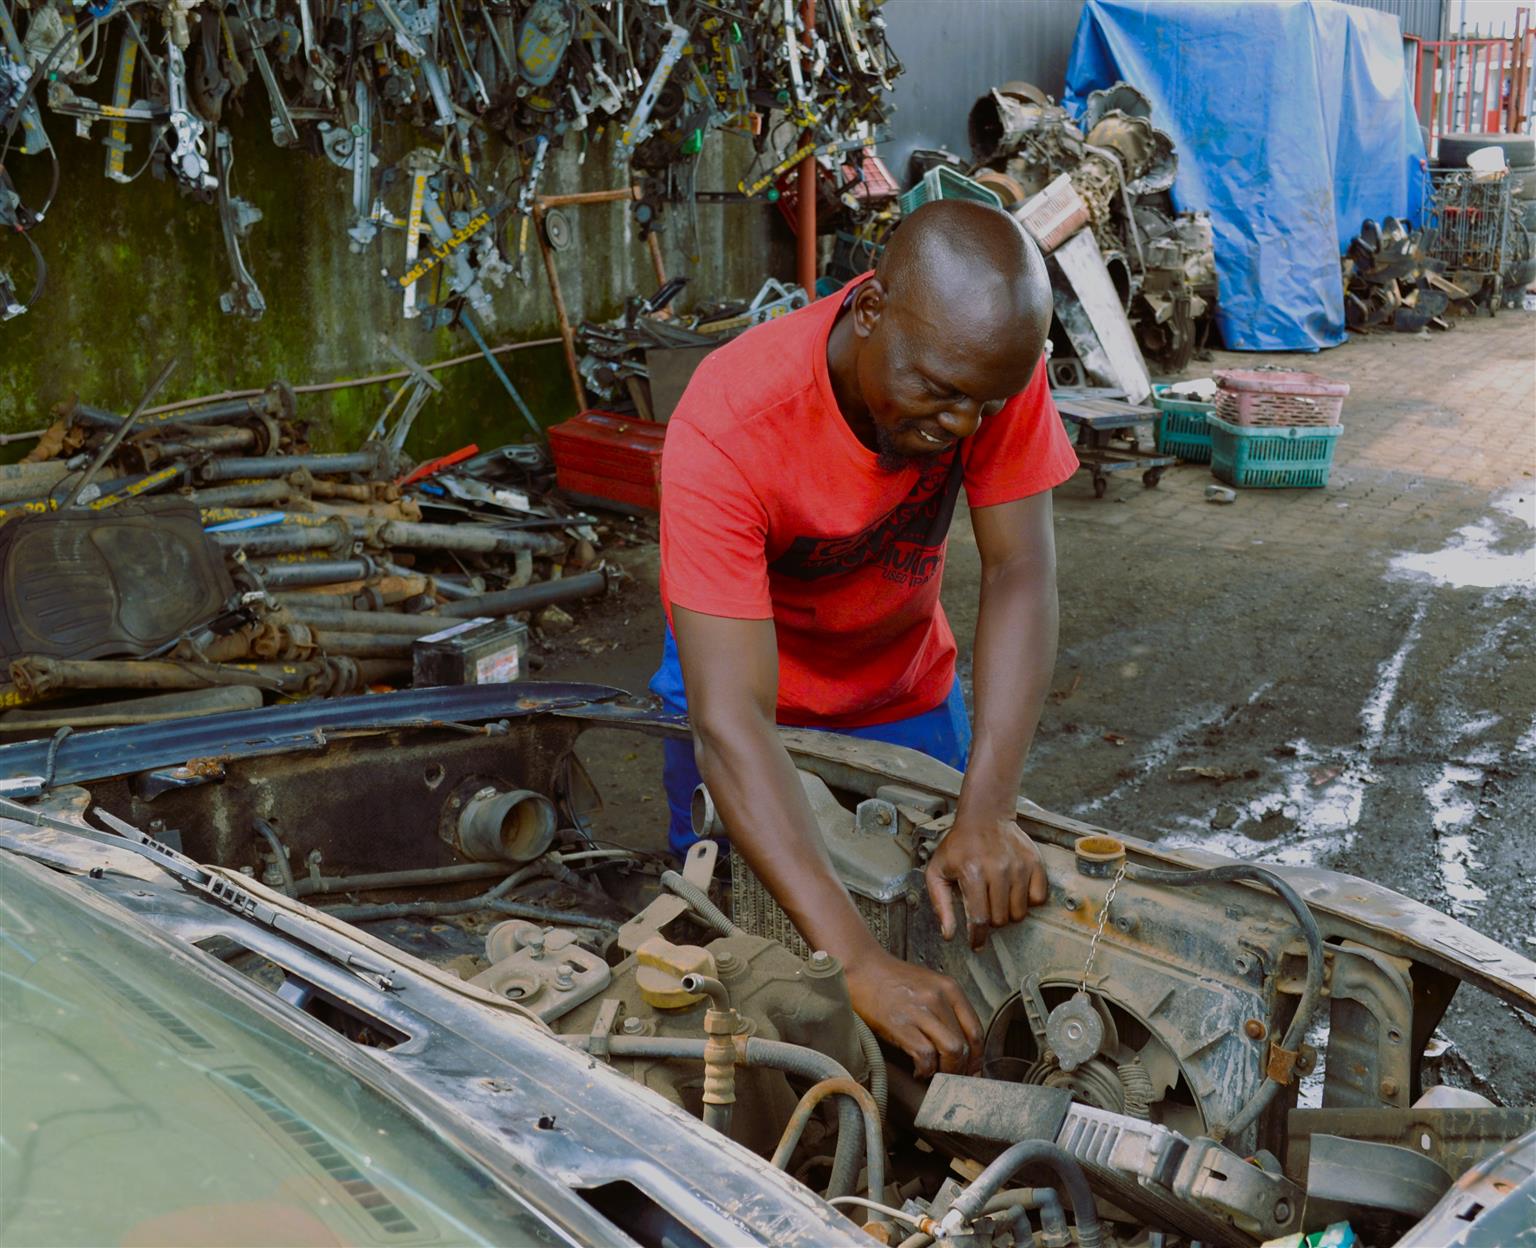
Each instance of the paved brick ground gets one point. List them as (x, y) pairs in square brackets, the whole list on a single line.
[(1434, 425)]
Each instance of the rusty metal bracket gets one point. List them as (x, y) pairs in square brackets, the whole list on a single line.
[(1281, 1067), (602, 1027)]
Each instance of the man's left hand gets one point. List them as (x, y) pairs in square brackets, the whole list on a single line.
[(997, 870)]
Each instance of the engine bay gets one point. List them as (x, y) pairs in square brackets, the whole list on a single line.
[(1179, 1049)]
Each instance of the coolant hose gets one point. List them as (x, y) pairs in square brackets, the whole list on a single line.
[(874, 1142), (699, 900), (717, 919), (1016, 1200), (1312, 987), (974, 1200), (791, 1059)]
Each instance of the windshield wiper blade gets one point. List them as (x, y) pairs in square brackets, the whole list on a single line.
[(209, 885)]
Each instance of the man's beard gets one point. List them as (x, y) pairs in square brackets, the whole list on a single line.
[(888, 458)]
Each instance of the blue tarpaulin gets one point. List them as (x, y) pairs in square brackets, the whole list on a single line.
[(1293, 122)]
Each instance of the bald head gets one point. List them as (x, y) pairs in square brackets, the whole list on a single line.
[(973, 260), (950, 327)]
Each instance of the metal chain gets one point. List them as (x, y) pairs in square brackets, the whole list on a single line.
[(1098, 932)]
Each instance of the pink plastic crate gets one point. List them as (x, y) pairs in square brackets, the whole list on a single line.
[(1249, 397)]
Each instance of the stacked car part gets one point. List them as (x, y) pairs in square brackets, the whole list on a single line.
[(1118, 168), (207, 546)]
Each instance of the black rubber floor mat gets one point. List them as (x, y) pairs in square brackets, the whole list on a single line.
[(114, 583)]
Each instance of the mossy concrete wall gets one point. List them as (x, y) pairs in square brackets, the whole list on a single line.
[(135, 273)]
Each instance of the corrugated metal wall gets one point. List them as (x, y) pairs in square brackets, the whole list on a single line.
[(1417, 17), (954, 50)]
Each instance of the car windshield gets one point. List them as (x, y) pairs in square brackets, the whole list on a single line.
[(145, 1105)]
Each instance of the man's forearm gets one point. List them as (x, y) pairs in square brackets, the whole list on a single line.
[(1015, 656), (757, 790)]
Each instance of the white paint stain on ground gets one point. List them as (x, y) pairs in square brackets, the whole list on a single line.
[(1160, 749), (1497, 552), (1319, 798), (1453, 804), (1527, 742), (1317, 804)]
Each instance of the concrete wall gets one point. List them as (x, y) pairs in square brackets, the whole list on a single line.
[(954, 50), (135, 273)]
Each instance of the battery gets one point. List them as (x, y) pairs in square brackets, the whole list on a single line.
[(481, 651)]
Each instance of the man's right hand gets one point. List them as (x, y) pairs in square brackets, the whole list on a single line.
[(918, 1011)]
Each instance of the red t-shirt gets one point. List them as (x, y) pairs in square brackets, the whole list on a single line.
[(771, 508)]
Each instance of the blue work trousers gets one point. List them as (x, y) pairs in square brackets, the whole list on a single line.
[(943, 733)]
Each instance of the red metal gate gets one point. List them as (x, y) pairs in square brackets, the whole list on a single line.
[(1478, 84)]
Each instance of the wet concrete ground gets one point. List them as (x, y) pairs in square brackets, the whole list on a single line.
[(1352, 670)]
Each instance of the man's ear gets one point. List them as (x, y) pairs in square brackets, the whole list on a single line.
[(868, 307)]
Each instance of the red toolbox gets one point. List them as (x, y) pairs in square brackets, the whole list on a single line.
[(602, 458)]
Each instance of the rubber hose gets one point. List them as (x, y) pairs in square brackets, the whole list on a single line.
[(716, 918), (492, 900), (1018, 1198), (874, 1140), (279, 854), (1312, 988), (1036, 1152), (791, 1059), (699, 900), (879, 1086)]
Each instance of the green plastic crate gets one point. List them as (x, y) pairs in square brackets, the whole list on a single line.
[(942, 182), (1272, 457), (1181, 426)]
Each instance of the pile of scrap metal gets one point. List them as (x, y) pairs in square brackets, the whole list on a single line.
[(1119, 169), (205, 554), (466, 99), (1390, 281), (648, 343)]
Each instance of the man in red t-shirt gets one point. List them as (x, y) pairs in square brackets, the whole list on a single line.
[(808, 483)]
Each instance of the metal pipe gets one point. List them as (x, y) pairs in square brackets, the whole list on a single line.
[(285, 540), (462, 538), (1066, 1167), (805, 204), (567, 334), (588, 197), (447, 586), (493, 900), (252, 494), (332, 619), (400, 879), (107, 448), (21, 481), (154, 709), (874, 1142), (382, 672), (531, 597), (183, 413), (321, 572), (365, 645), (37, 675), (236, 467), (214, 441), (301, 519)]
